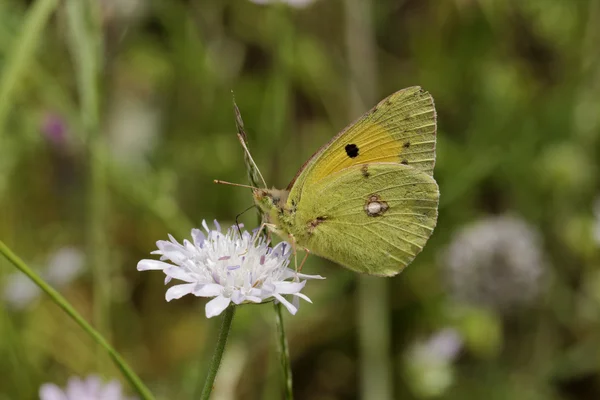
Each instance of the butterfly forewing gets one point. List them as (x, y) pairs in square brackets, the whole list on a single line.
[(400, 129)]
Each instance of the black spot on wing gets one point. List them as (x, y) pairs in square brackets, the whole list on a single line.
[(351, 150), (406, 144), (405, 162)]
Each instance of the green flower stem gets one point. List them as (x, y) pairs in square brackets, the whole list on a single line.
[(128, 373), (284, 353), (87, 53), (23, 51), (373, 312), (218, 355)]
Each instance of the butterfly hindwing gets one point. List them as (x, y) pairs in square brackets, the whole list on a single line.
[(371, 218)]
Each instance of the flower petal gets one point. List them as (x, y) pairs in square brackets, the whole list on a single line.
[(208, 290), (112, 390), (237, 297), (289, 287), (216, 306), (178, 291), (147, 265), (290, 273), (49, 391), (303, 296), (305, 276), (290, 307), (254, 299), (198, 237), (178, 273)]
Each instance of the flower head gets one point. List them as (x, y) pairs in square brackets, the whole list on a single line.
[(496, 262), (231, 267), (428, 363), (90, 388)]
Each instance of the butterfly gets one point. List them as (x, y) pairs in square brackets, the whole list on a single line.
[(367, 199)]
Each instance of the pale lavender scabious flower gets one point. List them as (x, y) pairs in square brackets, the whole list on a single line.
[(429, 362), (230, 268), (292, 3), (90, 388), (63, 266), (496, 262)]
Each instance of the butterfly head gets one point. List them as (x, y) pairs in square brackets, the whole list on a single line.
[(270, 200)]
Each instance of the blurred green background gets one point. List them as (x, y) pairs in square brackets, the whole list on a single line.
[(114, 122)]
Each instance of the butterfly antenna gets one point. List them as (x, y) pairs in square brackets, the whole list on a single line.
[(239, 215), (234, 184), (253, 171)]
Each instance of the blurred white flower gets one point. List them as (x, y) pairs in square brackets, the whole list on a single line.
[(228, 267), (495, 262), (292, 3), (133, 129), (597, 220), (63, 266), (90, 388), (123, 10), (429, 363), (19, 291)]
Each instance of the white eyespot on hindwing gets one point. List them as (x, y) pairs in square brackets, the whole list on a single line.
[(374, 206)]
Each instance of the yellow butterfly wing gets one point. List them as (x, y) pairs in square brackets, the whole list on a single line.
[(371, 218), (400, 129)]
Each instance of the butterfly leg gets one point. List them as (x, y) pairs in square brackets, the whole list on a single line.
[(295, 251), (263, 226), (307, 252)]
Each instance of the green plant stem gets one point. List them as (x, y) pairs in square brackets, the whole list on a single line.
[(133, 379), (218, 354), (23, 50), (284, 352), (373, 293), (275, 125), (86, 48)]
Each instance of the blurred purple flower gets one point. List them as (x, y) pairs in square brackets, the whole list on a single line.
[(292, 3), (90, 388), (54, 128)]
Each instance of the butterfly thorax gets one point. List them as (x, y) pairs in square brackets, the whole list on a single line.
[(273, 204)]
